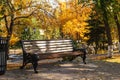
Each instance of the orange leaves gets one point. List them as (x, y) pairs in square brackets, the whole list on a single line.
[(75, 11), (13, 40), (73, 18), (21, 2), (75, 28), (3, 31)]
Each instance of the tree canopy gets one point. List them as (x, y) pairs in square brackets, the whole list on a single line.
[(84, 20)]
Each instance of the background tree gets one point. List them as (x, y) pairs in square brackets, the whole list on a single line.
[(19, 14), (73, 19), (107, 27), (97, 31), (15, 15), (114, 9), (101, 4)]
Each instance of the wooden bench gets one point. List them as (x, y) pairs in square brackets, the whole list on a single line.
[(35, 50)]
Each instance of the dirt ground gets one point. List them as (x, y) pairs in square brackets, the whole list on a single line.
[(75, 70)]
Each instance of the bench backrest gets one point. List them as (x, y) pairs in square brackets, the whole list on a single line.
[(46, 46)]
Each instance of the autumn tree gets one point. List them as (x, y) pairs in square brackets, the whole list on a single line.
[(15, 15), (97, 31), (114, 9), (73, 17), (11, 11), (19, 14), (109, 12)]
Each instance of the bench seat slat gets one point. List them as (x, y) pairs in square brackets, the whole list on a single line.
[(58, 55), (39, 46), (49, 51), (32, 43)]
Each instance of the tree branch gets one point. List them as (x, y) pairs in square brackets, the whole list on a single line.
[(10, 5), (6, 22), (19, 17), (2, 17)]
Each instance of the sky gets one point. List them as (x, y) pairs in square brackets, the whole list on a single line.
[(54, 4)]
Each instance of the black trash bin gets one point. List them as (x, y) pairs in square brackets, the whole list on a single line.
[(3, 54)]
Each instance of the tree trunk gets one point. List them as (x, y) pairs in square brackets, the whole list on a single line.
[(61, 33), (107, 27), (118, 25), (96, 47), (9, 28), (118, 28)]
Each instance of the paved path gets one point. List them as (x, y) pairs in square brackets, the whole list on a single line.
[(76, 70)]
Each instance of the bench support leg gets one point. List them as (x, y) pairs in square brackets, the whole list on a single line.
[(25, 62), (30, 58), (84, 58), (35, 64)]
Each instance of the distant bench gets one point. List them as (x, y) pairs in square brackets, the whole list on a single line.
[(35, 50)]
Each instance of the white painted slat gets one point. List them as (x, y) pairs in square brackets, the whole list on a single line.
[(51, 46), (44, 42), (41, 44), (60, 51)]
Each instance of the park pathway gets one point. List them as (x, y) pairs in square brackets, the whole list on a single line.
[(76, 70)]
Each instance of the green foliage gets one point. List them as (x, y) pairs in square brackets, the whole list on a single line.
[(97, 30), (30, 34)]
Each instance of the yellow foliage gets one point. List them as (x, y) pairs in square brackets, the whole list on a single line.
[(20, 2), (13, 39), (73, 19), (3, 32)]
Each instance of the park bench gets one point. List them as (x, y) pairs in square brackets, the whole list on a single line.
[(35, 50)]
